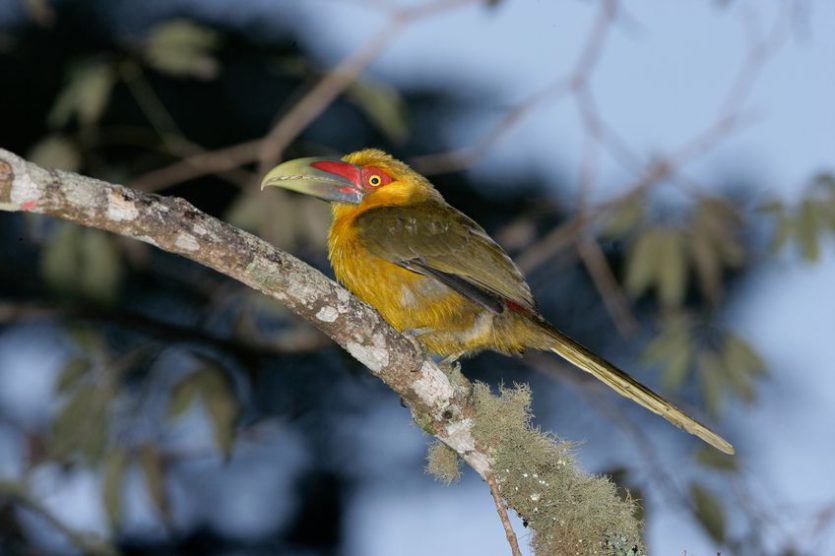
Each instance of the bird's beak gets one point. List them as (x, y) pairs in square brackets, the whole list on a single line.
[(326, 178)]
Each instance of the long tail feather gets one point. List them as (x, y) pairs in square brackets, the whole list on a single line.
[(628, 387)]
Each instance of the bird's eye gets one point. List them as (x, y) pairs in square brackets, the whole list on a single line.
[(375, 180)]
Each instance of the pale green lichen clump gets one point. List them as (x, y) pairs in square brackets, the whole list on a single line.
[(569, 511), (443, 463)]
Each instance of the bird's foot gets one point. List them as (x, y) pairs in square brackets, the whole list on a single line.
[(413, 335), (451, 363)]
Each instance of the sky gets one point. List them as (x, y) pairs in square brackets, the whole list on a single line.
[(661, 79)]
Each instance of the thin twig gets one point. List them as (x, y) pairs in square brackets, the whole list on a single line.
[(502, 510), (198, 165), (607, 285), (164, 124), (268, 149), (295, 340), (460, 159), (311, 105)]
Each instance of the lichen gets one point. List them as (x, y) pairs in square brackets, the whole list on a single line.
[(433, 387), (120, 209), (374, 357), (187, 242), (443, 463), (568, 510), (327, 314)]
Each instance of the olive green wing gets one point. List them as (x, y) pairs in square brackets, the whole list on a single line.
[(436, 240)]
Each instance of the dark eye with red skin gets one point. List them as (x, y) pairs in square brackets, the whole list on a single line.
[(373, 178)]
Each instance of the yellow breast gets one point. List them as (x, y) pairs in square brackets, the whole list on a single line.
[(444, 321)]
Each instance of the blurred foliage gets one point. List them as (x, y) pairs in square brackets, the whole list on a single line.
[(723, 362), (804, 223), (709, 511), (56, 151), (666, 257), (82, 263), (384, 106), (86, 94), (686, 266), (119, 108), (209, 385), (182, 48)]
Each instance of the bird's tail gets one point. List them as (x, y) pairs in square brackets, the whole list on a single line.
[(627, 386)]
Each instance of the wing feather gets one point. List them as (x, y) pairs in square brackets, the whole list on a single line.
[(434, 239)]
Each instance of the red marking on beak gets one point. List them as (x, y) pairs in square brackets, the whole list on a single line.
[(341, 169), (29, 205)]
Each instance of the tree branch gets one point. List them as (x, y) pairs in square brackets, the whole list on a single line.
[(502, 511), (174, 225), (445, 405)]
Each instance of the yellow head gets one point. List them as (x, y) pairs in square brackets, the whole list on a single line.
[(360, 180)]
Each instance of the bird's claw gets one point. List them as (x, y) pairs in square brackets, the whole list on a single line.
[(451, 363), (412, 334)]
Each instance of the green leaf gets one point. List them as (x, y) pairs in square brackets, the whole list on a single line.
[(773, 207), (150, 461), (720, 222), (183, 395), (56, 151), (60, 259), (784, 230), (707, 264), (671, 268), (733, 254), (825, 180), (642, 261), (624, 217), (384, 106), (80, 427), (73, 371), (222, 407), (86, 94), (671, 350), (101, 267), (712, 373), (740, 354), (657, 349), (708, 511), (828, 212), (115, 464), (711, 457), (681, 356), (86, 338), (741, 364), (247, 212), (183, 48), (82, 262), (807, 227)]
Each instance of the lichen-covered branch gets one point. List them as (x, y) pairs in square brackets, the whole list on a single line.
[(174, 225), (441, 404)]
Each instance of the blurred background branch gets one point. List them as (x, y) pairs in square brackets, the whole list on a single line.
[(664, 177)]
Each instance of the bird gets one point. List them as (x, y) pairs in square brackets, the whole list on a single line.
[(435, 275)]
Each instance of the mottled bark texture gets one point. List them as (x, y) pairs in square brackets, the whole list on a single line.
[(174, 225)]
